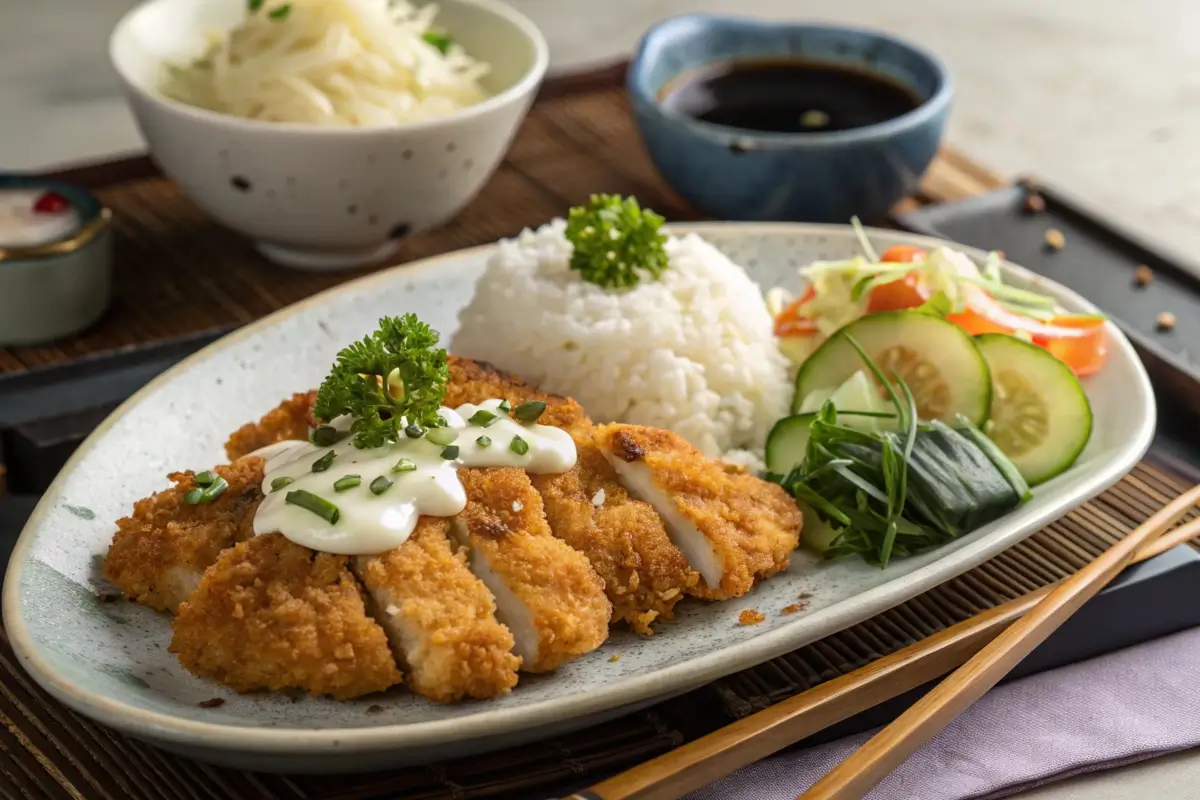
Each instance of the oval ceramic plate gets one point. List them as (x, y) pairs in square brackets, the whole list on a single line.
[(109, 661)]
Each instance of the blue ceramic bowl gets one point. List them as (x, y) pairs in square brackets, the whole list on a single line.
[(739, 174)]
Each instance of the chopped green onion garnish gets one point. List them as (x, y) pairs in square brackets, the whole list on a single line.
[(529, 412), (201, 496), (380, 485), (404, 465), (281, 482), (414, 431), (281, 13), (519, 446), (484, 441), (442, 436), (450, 452), (205, 478), (439, 40), (504, 406), (347, 482), (324, 435), (314, 503), (255, 5), (482, 418), (322, 463)]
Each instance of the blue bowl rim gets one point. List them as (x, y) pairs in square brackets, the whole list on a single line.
[(929, 108), (94, 218)]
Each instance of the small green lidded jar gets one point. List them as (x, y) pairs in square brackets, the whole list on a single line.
[(55, 260)]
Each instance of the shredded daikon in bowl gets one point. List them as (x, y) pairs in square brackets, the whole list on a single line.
[(332, 62)]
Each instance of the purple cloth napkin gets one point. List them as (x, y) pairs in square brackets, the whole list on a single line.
[(1116, 709)]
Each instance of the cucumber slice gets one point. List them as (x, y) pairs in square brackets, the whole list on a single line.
[(787, 443), (817, 534), (1040, 417), (937, 359)]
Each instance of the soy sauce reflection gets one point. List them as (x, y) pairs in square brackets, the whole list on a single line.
[(793, 96)]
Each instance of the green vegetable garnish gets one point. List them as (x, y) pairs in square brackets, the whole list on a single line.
[(529, 412), (323, 463), (450, 452), (324, 436), (505, 406), (439, 40), (519, 446), (484, 441), (895, 492), (482, 418), (380, 485), (414, 431), (614, 240), (255, 5), (402, 352), (279, 483), (202, 495), (347, 482), (442, 436), (314, 503), (205, 478), (404, 465), (281, 13)]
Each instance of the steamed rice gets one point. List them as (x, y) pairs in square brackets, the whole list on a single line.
[(693, 352)]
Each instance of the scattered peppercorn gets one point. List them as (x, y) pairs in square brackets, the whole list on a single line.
[(1142, 275), (1055, 239), (375, 709), (212, 702), (1165, 320), (1034, 204)]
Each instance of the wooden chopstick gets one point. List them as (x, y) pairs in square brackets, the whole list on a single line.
[(883, 752), (734, 746)]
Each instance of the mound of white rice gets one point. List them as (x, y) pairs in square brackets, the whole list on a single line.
[(693, 351)]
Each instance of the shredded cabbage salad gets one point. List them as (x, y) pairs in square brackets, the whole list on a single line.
[(332, 62)]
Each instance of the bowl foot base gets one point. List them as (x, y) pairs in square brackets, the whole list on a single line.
[(315, 260)]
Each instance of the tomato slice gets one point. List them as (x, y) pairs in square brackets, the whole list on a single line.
[(903, 254), (790, 322), (908, 292)]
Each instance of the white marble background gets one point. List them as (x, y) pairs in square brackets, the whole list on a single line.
[(1101, 97)]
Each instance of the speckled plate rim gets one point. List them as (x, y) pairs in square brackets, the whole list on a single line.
[(628, 692)]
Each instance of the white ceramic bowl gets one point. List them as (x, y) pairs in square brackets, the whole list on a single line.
[(327, 198)]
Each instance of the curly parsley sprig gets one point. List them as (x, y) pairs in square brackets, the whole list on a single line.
[(615, 240), (394, 377)]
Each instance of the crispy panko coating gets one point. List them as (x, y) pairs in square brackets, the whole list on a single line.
[(476, 381), (749, 526), (644, 574), (290, 420), (439, 617), (159, 553), (546, 592), (271, 614)]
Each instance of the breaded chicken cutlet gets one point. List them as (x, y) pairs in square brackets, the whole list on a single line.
[(440, 618), (546, 591), (644, 574), (160, 551), (291, 419), (270, 614), (735, 529)]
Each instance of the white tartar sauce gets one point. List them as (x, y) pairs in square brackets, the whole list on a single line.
[(330, 511)]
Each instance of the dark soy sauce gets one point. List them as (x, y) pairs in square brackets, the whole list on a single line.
[(788, 96)]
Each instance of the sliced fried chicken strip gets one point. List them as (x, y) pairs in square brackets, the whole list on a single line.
[(159, 552), (644, 574), (270, 614), (546, 592), (290, 420), (439, 617), (733, 528)]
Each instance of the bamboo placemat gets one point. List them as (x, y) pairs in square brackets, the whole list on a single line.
[(179, 274)]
